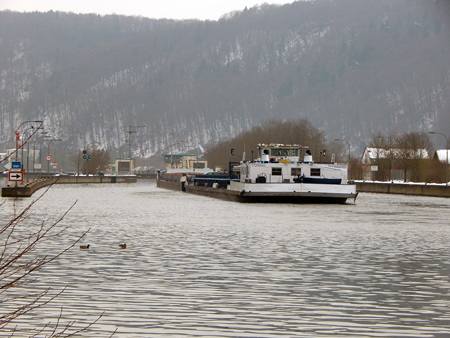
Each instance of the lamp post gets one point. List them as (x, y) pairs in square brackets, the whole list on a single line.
[(17, 136), (17, 133), (48, 152), (446, 148), (42, 136), (46, 138), (25, 139), (338, 139), (121, 152)]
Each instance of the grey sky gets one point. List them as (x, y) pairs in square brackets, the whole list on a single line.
[(174, 9)]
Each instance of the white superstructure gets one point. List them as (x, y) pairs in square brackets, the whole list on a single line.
[(279, 172)]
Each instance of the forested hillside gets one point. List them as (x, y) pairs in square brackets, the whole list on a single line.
[(352, 68)]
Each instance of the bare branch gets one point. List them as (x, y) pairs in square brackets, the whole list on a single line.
[(18, 262)]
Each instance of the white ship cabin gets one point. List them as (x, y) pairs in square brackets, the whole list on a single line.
[(287, 163)]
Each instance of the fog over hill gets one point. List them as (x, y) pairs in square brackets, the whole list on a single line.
[(352, 68)]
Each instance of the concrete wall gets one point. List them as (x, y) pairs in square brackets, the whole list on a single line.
[(26, 189), (171, 185), (404, 188)]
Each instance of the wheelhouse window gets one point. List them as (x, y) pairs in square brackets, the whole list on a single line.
[(296, 171), (315, 171), (293, 152), (276, 171), (284, 152)]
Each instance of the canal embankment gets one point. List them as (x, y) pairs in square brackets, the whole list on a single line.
[(404, 188), (26, 189)]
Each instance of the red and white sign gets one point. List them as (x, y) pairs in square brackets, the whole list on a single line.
[(15, 176), (48, 157), (54, 164)]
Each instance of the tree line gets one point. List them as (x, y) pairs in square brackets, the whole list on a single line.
[(410, 154)]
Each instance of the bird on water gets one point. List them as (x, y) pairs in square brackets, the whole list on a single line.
[(84, 247), (123, 246)]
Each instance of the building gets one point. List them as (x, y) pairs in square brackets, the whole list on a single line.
[(184, 161), (123, 166), (390, 164), (443, 155), (372, 154)]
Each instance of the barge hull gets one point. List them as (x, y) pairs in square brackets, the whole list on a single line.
[(258, 197)]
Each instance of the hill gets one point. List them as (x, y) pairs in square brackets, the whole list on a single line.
[(352, 68)]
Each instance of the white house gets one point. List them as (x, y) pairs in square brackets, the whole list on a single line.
[(373, 153), (443, 155)]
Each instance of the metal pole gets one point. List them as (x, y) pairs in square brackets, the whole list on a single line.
[(40, 149), (17, 135), (48, 152), (28, 149), (34, 150), (21, 147), (18, 132)]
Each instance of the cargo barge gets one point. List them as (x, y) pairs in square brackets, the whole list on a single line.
[(276, 176)]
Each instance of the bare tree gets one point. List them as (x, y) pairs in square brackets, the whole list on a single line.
[(76, 159), (411, 154), (98, 161), (18, 261), (299, 131)]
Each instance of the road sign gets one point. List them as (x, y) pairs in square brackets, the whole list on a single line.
[(16, 165), (15, 176), (48, 158), (54, 164)]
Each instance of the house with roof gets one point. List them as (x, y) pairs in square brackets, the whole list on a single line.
[(372, 154), (389, 163), (442, 155)]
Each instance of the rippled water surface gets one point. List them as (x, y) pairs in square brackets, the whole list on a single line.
[(200, 267)]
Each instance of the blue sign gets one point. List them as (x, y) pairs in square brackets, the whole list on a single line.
[(16, 165)]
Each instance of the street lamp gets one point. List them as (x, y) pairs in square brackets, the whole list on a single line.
[(121, 152), (17, 132), (446, 148), (48, 152), (338, 139), (25, 139), (41, 136), (45, 138), (17, 136)]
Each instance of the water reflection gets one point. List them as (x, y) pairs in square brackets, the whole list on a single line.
[(199, 267)]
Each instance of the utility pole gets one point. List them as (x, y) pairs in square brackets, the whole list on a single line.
[(131, 130)]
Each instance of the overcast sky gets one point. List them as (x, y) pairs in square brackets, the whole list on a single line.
[(173, 9)]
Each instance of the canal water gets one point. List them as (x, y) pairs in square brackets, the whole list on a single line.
[(200, 267)]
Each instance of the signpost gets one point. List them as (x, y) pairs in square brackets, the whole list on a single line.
[(16, 165), (15, 176), (48, 158)]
